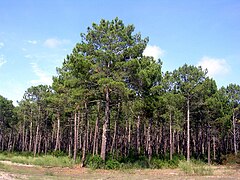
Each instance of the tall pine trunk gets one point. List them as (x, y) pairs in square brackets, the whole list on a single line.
[(105, 126), (234, 134), (96, 132), (138, 135), (170, 135), (75, 137), (188, 130), (57, 145)]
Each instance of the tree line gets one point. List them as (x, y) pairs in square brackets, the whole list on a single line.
[(109, 99)]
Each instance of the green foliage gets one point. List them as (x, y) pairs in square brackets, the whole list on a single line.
[(195, 168), (112, 164), (58, 153), (47, 160), (230, 159), (95, 162)]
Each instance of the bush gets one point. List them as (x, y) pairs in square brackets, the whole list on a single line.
[(157, 163), (58, 153), (112, 164), (230, 159), (195, 168), (95, 162)]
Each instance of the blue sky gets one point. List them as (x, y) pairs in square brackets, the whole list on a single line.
[(36, 35)]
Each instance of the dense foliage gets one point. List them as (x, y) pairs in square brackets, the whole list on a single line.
[(111, 104)]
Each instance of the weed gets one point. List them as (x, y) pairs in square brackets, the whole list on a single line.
[(195, 168)]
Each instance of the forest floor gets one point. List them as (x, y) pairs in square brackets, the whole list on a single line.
[(11, 171)]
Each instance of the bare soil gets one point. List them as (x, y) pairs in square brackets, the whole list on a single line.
[(18, 171)]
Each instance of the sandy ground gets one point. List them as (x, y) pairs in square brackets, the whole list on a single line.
[(20, 171)]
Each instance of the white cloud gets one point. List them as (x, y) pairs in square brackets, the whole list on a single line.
[(214, 66), (154, 51), (53, 43), (28, 56), (1, 45), (32, 41), (43, 77), (2, 60)]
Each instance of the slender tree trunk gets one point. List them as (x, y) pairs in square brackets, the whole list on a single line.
[(138, 135), (57, 145), (178, 143), (234, 134), (126, 138), (214, 148), (26, 135), (85, 140), (95, 140), (23, 133), (209, 145), (114, 137), (188, 130), (129, 135), (105, 126), (173, 141), (149, 140), (75, 137), (170, 135), (70, 140), (30, 139), (36, 141), (39, 143)]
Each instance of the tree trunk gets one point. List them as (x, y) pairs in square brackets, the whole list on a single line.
[(138, 135), (214, 148), (170, 135), (129, 136), (209, 145), (105, 126), (57, 145), (188, 130), (23, 134), (95, 141), (75, 137), (149, 140), (234, 134), (114, 137), (85, 136), (30, 138), (36, 141)]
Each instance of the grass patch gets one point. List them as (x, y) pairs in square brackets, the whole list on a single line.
[(46, 160), (195, 168)]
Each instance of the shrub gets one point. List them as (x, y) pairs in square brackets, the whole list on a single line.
[(195, 168), (157, 163), (58, 153), (95, 162), (112, 164)]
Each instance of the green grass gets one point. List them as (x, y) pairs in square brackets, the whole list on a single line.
[(46, 160), (195, 168)]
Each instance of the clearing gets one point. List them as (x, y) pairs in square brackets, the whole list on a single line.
[(11, 171)]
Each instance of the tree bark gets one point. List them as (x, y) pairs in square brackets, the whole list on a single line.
[(57, 145), (85, 136), (36, 141), (170, 135), (149, 139), (95, 141), (234, 134), (75, 137), (138, 135), (188, 130), (105, 126)]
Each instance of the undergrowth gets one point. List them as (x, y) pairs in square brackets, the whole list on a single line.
[(42, 160), (195, 168)]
